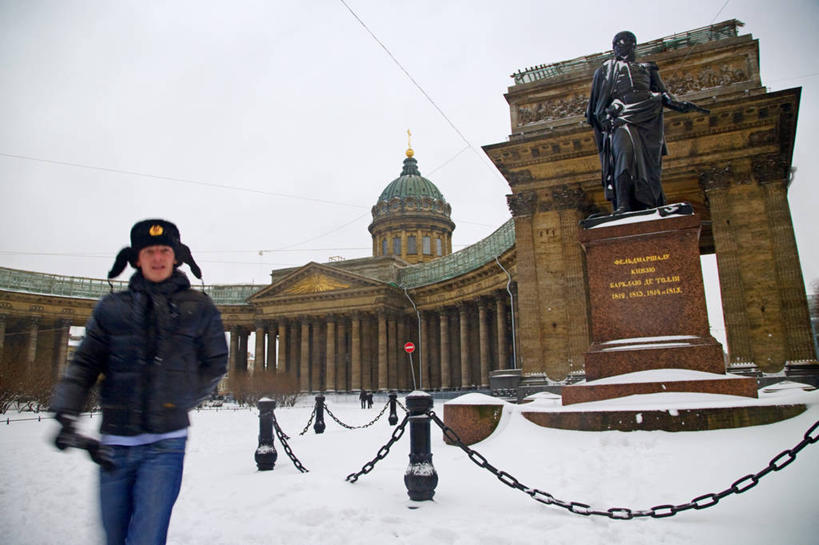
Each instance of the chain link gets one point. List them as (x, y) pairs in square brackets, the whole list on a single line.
[(623, 513), (307, 427), (282, 437), (382, 452), (342, 424)]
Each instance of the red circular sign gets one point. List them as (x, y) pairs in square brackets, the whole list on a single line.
[(409, 347)]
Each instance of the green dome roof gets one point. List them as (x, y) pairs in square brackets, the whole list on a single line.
[(411, 184)]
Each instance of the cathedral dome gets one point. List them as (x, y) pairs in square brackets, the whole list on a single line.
[(410, 183), (411, 218)]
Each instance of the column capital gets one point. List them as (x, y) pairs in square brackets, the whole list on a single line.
[(522, 204), (768, 169), (716, 177), (565, 197)]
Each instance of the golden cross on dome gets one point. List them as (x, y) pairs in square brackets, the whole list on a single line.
[(410, 153)]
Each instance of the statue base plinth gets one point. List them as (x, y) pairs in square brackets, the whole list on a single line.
[(675, 352), (659, 381)]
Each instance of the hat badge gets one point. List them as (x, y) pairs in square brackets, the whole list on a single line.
[(156, 230)]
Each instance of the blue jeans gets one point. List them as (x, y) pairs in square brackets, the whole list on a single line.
[(137, 497)]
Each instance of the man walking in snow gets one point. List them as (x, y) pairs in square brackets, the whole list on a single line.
[(159, 349)]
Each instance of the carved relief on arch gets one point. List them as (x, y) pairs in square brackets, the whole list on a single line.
[(681, 82), (552, 109), (522, 204)]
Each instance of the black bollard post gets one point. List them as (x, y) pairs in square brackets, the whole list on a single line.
[(420, 477), (319, 426), (393, 419), (266, 452)]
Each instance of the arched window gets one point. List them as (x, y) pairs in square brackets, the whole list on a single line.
[(426, 246), (412, 246)]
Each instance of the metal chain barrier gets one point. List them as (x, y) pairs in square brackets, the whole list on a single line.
[(401, 405), (282, 437), (307, 427), (382, 452), (704, 501), (367, 425)]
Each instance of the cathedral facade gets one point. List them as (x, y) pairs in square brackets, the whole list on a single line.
[(517, 299)]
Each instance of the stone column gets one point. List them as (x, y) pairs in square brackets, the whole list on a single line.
[(342, 355), (790, 283), (62, 346), (483, 332), (522, 205), (330, 356), (577, 325), (369, 351), (243, 338), (392, 355), (553, 325), (304, 364), (466, 367), (737, 324), (33, 337), (293, 348), (382, 351), (402, 360), (316, 362), (234, 349), (355, 353), (282, 355), (271, 363), (446, 375), (258, 357), (2, 336), (500, 325), (424, 353)]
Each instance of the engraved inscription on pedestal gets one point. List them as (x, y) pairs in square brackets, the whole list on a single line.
[(647, 297)]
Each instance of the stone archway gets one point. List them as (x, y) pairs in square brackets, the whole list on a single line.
[(732, 165)]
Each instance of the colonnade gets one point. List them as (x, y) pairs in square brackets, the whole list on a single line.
[(458, 346), (33, 347)]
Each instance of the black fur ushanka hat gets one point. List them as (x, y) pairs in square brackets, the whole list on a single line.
[(154, 232)]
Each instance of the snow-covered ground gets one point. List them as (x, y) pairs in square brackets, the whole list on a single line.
[(48, 497)]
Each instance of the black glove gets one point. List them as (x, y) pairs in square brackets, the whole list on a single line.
[(68, 434), (68, 437), (101, 454)]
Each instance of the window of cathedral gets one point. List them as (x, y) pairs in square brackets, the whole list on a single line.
[(438, 248), (384, 246), (426, 245), (412, 246), (396, 246)]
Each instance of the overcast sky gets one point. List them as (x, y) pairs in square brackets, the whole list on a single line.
[(266, 130)]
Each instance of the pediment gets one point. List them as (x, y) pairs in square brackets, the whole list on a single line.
[(315, 279)]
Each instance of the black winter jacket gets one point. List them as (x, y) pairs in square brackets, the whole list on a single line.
[(160, 349)]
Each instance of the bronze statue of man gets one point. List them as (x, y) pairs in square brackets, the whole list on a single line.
[(626, 112)]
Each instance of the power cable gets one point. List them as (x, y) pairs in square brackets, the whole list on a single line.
[(181, 180), (417, 85)]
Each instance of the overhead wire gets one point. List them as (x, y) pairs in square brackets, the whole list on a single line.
[(181, 180), (417, 85)]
